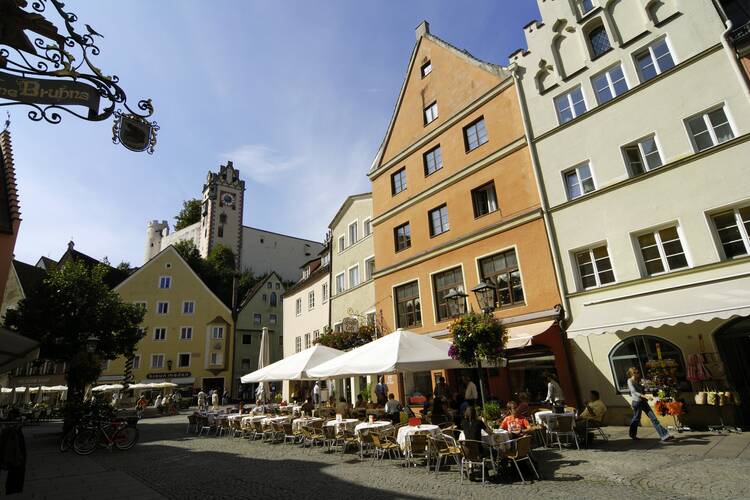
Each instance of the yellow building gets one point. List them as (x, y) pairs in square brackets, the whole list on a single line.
[(187, 327)]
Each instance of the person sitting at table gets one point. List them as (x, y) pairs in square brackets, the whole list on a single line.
[(473, 427), (593, 412), (437, 413), (393, 409), (523, 404), (515, 422), (342, 407), (360, 402), (307, 407)]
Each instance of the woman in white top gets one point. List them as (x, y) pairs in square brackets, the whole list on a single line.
[(554, 391)]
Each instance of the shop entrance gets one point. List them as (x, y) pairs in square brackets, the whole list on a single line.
[(213, 383), (733, 341)]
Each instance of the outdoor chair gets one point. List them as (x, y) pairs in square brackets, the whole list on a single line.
[(383, 445), (346, 437), (329, 431), (471, 456), (223, 427), (205, 425), (594, 426), (365, 442), (277, 433), (312, 436), (562, 426), (267, 431), (520, 450), (257, 430), (192, 424), (417, 445), (289, 434), (444, 446), (236, 427)]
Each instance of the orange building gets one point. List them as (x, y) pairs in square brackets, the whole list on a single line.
[(455, 201)]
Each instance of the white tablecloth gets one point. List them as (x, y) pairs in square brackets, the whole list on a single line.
[(348, 423), (408, 430), (542, 417), (253, 418), (379, 425), (297, 423), (498, 439), (278, 420)]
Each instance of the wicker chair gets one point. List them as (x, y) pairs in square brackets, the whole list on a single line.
[(312, 435), (329, 431), (289, 434), (277, 433), (417, 445), (192, 424), (471, 456), (346, 437), (258, 431), (365, 442), (384, 445), (444, 446), (204, 424), (520, 451), (223, 427)]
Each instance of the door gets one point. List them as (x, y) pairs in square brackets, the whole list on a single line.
[(733, 342)]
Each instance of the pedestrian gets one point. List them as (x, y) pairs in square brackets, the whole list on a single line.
[(176, 399), (225, 398), (640, 405), (441, 389), (380, 392), (140, 405), (260, 394), (215, 399), (470, 394), (554, 391), (158, 404), (201, 400), (316, 393)]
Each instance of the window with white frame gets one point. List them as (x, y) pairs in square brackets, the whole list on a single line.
[(160, 333), (157, 361), (342, 243), (709, 128), (297, 344), (570, 105), (142, 304), (369, 268), (136, 362), (298, 306), (324, 293), (475, 134), (307, 341), (432, 160), (733, 229), (162, 307), (579, 181), (484, 199), (594, 267), (340, 283), (338, 327), (398, 181), (311, 299), (217, 332), (642, 156), (272, 319), (188, 307), (316, 335), (503, 270), (183, 360), (353, 237), (354, 276), (430, 113), (609, 84), (408, 305), (654, 60), (186, 333), (366, 228), (662, 251), (165, 281), (426, 69), (257, 319), (217, 358), (438, 220)]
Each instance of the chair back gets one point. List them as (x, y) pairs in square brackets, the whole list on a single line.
[(258, 427), (318, 424), (417, 443), (366, 437), (470, 450), (523, 447), (192, 420), (375, 440), (565, 424), (438, 443), (287, 426), (329, 431)]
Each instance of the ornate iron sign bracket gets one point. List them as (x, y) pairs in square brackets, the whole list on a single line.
[(55, 73)]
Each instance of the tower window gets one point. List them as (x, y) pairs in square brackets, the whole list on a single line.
[(221, 231), (426, 69), (223, 218)]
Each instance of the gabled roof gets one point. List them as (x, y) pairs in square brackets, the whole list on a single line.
[(463, 54), (46, 263), (301, 284), (112, 278), (29, 276), (345, 206), (251, 293)]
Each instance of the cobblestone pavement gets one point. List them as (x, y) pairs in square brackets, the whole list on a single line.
[(169, 463)]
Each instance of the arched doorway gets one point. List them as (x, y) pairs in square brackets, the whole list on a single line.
[(733, 341)]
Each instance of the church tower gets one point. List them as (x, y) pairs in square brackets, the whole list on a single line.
[(221, 212)]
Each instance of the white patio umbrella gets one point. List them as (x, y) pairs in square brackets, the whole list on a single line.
[(264, 359), (399, 351), (294, 367), (16, 350), (107, 388)]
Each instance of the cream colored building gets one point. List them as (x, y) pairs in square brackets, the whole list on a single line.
[(640, 120)]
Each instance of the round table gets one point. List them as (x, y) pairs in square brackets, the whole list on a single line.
[(542, 417), (347, 423), (408, 430), (254, 418), (498, 439), (268, 420), (379, 425), (297, 423)]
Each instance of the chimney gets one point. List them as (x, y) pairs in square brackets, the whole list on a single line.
[(71, 245), (423, 29)]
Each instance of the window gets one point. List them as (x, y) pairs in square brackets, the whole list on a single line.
[(484, 200), (370, 318), (433, 160), (408, 308), (217, 358), (316, 335), (269, 285), (369, 268), (324, 292), (245, 364), (642, 156), (160, 334), (353, 233), (188, 307), (298, 306), (402, 237), (217, 332), (165, 281), (272, 319), (136, 362), (264, 298), (162, 307), (709, 129), (475, 134), (398, 181), (570, 105), (311, 299), (338, 327), (584, 6), (183, 360), (654, 60), (186, 333), (578, 181), (367, 227), (430, 113), (157, 361), (278, 286), (342, 243), (307, 341), (609, 84), (142, 305), (438, 220), (636, 352), (502, 269), (662, 251), (599, 41), (594, 267), (340, 283), (273, 302), (257, 319), (733, 228), (247, 338), (354, 276), (220, 231), (443, 283), (426, 69)]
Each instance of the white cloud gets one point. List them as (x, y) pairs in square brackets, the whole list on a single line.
[(261, 164)]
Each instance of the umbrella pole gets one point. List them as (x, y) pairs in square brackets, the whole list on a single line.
[(481, 385)]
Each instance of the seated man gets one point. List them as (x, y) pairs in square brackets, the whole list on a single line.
[(307, 407), (592, 414), (515, 423), (393, 409), (342, 407)]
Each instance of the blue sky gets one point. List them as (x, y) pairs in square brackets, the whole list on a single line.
[(297, 93)]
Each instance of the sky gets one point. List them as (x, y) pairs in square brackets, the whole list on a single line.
[(297, 93)]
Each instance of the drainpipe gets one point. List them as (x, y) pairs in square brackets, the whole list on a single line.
[(731, 53), (235, 315)]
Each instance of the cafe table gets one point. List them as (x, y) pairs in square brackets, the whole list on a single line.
[(347, 423), (408, 430), (498, 439), (378, 425), (253, 418), (297, 423), (544, 416)]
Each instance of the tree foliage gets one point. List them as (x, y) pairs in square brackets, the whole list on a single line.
[(477, 337), (344, 341), (190, 214)]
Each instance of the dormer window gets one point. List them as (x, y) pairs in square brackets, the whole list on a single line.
[(426, 69)]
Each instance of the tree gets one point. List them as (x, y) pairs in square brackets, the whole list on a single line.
[(70, 305), (124, 266), (190, 214)]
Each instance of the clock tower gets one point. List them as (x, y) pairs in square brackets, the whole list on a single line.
[(221, 211)]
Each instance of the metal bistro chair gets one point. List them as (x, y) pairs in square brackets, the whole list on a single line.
[(329, 431), (346, 438), (444, 446), (289, 434), (278, 433), (365, 442), (520, 451), (384, 445), (204, 424), (223, 427), (192, 424), (471, 456), (594, 426), (257, 430), (417, 445), (562, 426)]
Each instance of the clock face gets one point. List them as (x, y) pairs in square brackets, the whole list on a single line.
[(228, 199)]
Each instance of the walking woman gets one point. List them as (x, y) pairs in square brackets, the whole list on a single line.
[(640, 405)]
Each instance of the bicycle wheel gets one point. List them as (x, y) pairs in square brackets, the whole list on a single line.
[(125, 438), (67, 440), (85, 442)]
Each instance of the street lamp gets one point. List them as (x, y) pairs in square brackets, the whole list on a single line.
[(92, 342), (456, 302), (486, 293)]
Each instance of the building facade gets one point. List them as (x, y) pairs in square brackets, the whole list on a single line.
[(639, 120), (222, 223), (455, 203), (187, 328), (261, 308)]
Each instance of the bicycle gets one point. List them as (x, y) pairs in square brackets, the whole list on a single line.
[(117, 433)]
